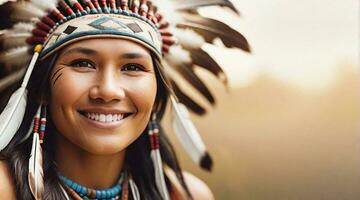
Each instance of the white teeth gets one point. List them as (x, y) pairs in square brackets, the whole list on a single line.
[(102, 118), (108, 118)]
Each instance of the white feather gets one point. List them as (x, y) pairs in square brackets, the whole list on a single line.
[(13, 113), (18, 56), (12, 116), (23, 27), (36, 174), (26, 11), (45, 4), (159, 174), (177, 55), (188, 38), (158, 167), (12, 39), (4, 1), (186, 131), (167, 9)]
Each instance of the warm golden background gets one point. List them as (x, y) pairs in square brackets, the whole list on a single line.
[(289, 126)]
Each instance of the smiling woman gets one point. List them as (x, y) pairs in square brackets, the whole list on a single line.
[(86, 118)]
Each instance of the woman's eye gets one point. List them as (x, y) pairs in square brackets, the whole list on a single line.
[(132, 67), (82, 63)]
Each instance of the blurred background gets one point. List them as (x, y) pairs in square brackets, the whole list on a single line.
[(288, 127)]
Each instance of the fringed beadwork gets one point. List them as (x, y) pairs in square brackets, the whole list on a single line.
[(154, 135), (42, 124)]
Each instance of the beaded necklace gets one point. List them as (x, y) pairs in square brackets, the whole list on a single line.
[(79, 192)]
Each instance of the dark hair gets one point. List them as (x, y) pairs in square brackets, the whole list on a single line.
[(137, 158)]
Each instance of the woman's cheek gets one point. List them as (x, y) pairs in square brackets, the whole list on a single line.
[(142, 91), (71, 86)]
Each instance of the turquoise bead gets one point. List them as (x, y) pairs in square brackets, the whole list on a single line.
[(83, 191), (77, 187), (108, 193), (112, 193), (98, 193), (103, 194)]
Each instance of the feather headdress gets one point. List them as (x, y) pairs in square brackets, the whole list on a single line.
[(172, 29)]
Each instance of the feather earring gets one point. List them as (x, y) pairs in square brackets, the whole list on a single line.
[(154, 135), (35, 176), (189, 136), (13, 113)]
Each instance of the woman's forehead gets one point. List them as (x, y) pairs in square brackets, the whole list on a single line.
[(124, 47)]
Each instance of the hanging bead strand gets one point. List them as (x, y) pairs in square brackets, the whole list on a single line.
[(42, 124)]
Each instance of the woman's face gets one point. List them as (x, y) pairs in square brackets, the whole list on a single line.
[(102, 93)]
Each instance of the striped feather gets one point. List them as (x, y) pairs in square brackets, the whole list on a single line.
[(45, 5), (189, 136), (23, 27), (26, 11), (186, 100), (11, 79), (202, 59), (210, 29), (188, 38), (18, 56), (13, 39), (180, 60)]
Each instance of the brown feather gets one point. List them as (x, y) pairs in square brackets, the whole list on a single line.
[(202, 59), (191, 5), (211, 29), (188, 74), (186, 100)]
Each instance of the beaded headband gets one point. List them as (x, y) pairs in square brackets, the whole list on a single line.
[(103, 25)]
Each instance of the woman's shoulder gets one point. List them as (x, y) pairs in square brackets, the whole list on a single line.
[(7, 190), (198, 189)]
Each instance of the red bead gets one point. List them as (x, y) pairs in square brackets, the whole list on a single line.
[(36, 40), (90, 4), (47, 20), (57, 14), (41, 25), (66, 7), (113, 4), (78, 6), (96, 3), (38, 32)]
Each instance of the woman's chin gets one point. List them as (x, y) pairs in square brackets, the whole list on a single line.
[(104, 147)]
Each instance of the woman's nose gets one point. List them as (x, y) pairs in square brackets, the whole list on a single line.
[(107, 87)]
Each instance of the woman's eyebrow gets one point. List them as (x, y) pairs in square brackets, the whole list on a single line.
[(83, 50), (133, 55)]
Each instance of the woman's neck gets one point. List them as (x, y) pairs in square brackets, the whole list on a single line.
[(85, 168)]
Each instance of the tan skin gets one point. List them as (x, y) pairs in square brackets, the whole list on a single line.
[(105, 77)]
